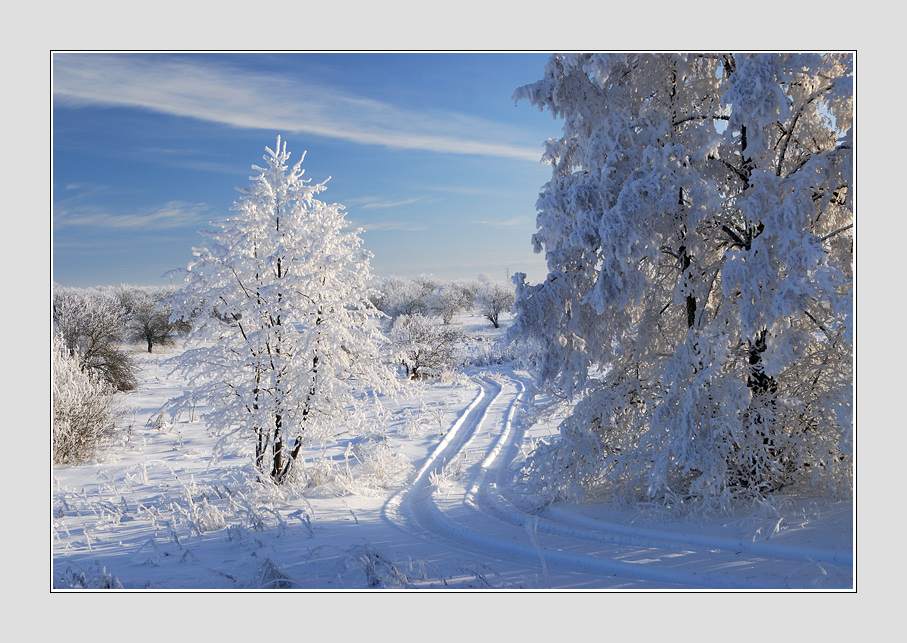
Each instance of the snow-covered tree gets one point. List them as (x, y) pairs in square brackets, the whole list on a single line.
[(395, 296), (494, 298), (469, 289), (698, 231), (446, 301), (427, 283), (288, 348)]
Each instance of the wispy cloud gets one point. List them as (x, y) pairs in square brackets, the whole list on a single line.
[(205, 89), (507, 223), (184, 159), (375, 203), (170, 215), (398, 226), (391, 204), (75, 192)]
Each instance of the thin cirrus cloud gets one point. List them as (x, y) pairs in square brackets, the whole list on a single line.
[(507, 223), (390, 204), (374, 203), (173, 214), (205, 90)]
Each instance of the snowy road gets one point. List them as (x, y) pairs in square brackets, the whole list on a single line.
[(160, 513), (459, 499)]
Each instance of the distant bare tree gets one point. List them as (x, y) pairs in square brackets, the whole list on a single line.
[(149, 321), (494, 298)]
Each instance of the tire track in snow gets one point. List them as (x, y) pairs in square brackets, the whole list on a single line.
[(468, 526), (399, 509), (481, 521)]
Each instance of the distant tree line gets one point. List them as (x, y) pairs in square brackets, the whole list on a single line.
[(431, 297)]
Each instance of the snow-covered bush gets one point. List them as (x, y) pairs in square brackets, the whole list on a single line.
[(368, 468), (414, 424), (85, 410), (288, 346), (428, 347), (376, 469), (520, 353), (698, 309)]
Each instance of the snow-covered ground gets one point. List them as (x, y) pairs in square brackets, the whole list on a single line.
[(422, 500)]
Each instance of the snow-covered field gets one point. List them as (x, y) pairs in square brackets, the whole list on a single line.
[(422, 500)]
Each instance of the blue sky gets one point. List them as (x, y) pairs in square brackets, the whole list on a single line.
[(427, 151)]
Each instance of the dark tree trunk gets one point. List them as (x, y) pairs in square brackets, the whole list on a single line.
[(685, 262), (277, 464), (758, 382)]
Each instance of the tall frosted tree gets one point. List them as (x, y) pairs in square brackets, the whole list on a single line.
[(698, 312), (285, 347)]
